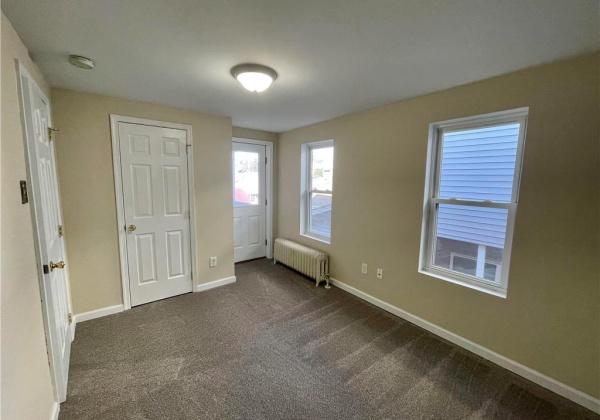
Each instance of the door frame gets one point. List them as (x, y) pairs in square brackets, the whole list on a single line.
[(35, 196), (268, 188), (114, 131)]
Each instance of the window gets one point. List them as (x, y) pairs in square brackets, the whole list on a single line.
[(317, 190), (245, 178), (471, 193)]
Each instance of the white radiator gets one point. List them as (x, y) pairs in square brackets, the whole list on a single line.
[(308, 261)]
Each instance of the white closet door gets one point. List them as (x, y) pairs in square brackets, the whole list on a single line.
[(157, 213)]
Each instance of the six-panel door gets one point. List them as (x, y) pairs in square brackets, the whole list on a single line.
[(48, 217), (157, 212)]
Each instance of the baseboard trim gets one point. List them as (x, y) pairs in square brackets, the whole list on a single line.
[(55, 411), (547, 382), (216, 283), (98, 313)]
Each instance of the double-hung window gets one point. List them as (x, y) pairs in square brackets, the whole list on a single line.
[(317, 190), (471, 191)]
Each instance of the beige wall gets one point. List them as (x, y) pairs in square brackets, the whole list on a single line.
[(248, 133), (25, 379), (88, 194), (550, 320)]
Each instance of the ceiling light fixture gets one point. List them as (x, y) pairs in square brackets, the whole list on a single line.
[(254, 77), (81, 62)]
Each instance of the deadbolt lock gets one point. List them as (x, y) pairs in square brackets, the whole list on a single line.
[(53, 265)]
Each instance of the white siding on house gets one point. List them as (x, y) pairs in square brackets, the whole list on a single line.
[(477, 225), (477, 165)]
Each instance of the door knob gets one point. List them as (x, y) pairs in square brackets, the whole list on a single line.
[(53, 265), (131, 228)]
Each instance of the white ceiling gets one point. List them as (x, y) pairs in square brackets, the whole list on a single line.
[(333, 57)]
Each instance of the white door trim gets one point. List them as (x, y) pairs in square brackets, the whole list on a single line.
[(34, 194), (114, 123), (268, 188)]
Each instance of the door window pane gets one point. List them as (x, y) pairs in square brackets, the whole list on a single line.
[(245, 183)]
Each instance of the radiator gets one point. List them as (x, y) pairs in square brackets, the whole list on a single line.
[(308, 261)]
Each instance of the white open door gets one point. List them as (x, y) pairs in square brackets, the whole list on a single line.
[(47, 218), (249, 201)]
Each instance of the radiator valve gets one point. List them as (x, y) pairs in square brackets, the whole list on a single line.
[(326, 277)]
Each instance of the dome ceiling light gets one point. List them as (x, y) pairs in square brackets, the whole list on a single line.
[(81, 62), (254, 77)]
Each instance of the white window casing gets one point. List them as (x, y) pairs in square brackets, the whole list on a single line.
[(477, 167), (307, 190)]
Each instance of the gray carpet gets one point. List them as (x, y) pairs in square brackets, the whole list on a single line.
[(272, 346)]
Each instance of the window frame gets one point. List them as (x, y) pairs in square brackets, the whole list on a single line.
[(306, 189), (454, 255), (432, 200)]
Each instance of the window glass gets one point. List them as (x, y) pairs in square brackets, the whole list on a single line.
[(322, 169), (246, 184), (320, 214), (479, 163), (475, 232)]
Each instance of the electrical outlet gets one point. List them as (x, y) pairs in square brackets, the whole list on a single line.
[(213, 262), (379, 273), (365, 268)]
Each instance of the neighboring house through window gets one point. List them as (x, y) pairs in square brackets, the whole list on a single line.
[(471, 193), (317, 190)]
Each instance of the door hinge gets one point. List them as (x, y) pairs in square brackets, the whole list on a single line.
[(266, 242), (70, 318), (60, 231), (51, 132), (187, 147), (24, 195), (266, 202), (266, 160)]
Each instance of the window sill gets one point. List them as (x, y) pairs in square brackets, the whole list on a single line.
[(316, 238), (471, 284)]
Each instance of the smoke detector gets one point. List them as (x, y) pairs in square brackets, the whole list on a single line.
[(81, 62)]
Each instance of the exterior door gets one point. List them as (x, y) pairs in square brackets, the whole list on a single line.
[(249, 203), (154, 174), (49, 231)]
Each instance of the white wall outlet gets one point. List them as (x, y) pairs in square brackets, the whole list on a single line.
[(365, 268), (213, 262), (379, 273)]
